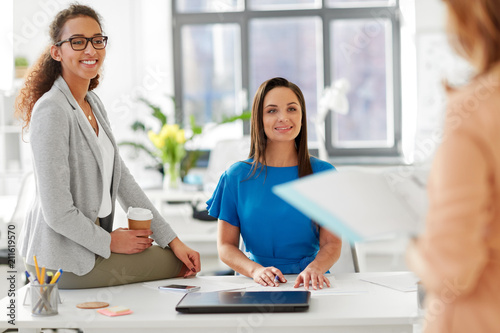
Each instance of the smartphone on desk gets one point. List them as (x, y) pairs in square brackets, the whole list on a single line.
[(180, 287)]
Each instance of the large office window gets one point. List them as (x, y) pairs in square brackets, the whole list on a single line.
[(211, 78), (224, 49)]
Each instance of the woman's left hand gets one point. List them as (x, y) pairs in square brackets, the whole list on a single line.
[(314, 276), (188, 256), (329, 252)]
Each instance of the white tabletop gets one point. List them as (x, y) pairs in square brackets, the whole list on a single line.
[(175, 195), (352, 306)]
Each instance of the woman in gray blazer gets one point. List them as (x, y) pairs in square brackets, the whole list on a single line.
[(80, 174)]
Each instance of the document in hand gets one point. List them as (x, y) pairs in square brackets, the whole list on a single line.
[(360, 204)]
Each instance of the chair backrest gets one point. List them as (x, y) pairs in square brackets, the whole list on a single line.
[(24, 200), (223, 155), (348, 262), (243, 249)]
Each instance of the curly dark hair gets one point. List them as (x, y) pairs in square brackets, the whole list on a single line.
[(46, 70)]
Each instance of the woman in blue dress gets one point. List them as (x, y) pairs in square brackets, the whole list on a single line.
[(278, 238)]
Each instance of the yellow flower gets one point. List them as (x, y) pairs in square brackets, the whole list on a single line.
[(156, 140), (181, 137), (169, 131), (170, 143)]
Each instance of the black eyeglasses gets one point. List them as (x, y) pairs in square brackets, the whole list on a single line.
[(80, 43)]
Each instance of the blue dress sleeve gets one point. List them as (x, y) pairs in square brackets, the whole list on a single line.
[(320, 165), (223, 203)]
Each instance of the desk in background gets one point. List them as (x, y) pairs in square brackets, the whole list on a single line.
[(175, 206), (379, 309), (199, 235), (160, 196)]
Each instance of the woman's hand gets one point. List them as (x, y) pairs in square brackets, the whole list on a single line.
[(266, 276), (128, 241), (188, 256), (314, 275), (329, 252)]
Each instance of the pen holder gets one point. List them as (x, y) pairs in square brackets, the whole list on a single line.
[(44, 299), (27, 297)]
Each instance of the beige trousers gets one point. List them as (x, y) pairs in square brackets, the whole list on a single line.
[(155, 263)]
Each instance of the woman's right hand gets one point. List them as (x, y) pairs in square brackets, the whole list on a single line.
[(266, 276), (128, 241)]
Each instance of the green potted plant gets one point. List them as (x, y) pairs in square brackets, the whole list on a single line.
[(21, 66), (162, 147)]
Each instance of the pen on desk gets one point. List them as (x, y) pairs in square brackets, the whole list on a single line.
[(276, 279)]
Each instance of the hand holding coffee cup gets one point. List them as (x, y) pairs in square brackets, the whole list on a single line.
[(139, 219)]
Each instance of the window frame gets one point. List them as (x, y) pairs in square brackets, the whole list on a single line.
[(326, 15)]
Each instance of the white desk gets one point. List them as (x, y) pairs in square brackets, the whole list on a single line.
[(159, 196), (382, 255), (379, 309)]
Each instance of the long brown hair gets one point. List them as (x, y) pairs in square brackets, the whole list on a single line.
[(258, 142), (46, 70), (477, 28)]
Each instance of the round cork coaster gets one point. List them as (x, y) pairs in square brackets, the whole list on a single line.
[(92, 305)]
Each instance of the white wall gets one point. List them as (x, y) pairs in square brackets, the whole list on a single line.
[(6, 58), (430, 14), (138, 54), (435, 62)]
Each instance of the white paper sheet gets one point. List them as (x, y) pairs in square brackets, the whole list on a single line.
[(201, 282), (403, 282), (338, 287)]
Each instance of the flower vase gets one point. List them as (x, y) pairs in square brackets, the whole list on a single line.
[(171, 176)]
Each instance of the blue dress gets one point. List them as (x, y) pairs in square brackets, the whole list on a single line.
[(275, 233)]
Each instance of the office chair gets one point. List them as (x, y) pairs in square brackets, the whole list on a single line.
[(223, 155), (348, 261), (354, 258)]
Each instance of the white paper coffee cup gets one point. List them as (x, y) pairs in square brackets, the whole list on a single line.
[(139, 214), (139, 218)]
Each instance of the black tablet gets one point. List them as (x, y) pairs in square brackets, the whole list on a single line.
[(244, 301)]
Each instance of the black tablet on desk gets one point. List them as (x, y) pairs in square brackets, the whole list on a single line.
[(244, 301)]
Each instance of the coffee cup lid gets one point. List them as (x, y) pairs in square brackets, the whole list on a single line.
[(139, 214)]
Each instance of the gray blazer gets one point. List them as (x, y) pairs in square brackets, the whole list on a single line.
[(60, 226)]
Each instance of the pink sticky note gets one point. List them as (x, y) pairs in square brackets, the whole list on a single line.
[(106, 312)]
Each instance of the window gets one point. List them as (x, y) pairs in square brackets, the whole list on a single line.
[(210, 70), (224, 49)]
